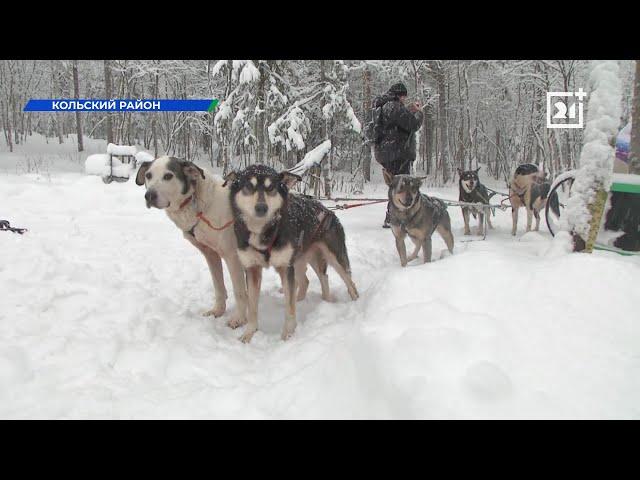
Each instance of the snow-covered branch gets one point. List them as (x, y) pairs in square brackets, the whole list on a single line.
[(312, 158)]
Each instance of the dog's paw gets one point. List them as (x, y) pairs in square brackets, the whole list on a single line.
[(329, 298), (287, 331), (217, 311), (247, 335), (236, 322), (353, 293), (467, 232)]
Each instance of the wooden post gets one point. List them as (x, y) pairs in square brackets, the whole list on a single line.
[(76, 94)]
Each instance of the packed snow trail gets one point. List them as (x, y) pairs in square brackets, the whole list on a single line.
[(101, 302)]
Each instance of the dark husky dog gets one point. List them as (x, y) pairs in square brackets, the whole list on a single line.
[(529, 188), (275, 228), (417, 215), (472, 191)]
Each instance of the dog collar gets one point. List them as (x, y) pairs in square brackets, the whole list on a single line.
[(404, 224), (185, 202), (267, 251)]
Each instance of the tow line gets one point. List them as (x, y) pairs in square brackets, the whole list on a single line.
[(487, 207)]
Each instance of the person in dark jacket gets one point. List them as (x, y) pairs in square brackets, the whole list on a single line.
[(397, 148)]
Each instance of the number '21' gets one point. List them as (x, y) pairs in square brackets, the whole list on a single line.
[(562, 110)]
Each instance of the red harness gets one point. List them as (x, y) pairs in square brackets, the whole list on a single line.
[(200, 216)]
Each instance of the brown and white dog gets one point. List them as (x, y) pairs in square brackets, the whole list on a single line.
[(199, 205), (529, 188)]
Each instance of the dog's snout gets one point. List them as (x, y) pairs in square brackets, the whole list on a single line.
[(261, 209), (151, 196)]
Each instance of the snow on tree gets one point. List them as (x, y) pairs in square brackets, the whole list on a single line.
[(312, 158), (588, 193), (290, 129), (338, 104)]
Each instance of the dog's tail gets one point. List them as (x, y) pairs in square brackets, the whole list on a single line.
[(336, 241)]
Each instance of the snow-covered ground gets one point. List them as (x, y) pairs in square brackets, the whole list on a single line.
[(100, 318)]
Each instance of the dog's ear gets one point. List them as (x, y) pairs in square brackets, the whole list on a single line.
[(289, 179), (141, 172), (388, 176), (477, 169), (230, 178), (417, 181), (191, 170), (460, 171)]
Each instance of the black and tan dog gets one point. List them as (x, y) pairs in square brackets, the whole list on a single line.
[(275, 228), (472, 191), (417, 215), (529, 188)]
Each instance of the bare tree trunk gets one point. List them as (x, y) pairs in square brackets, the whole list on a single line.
[(225, 135), (327, 164), (76, 95), (108, 93), (56, 92), (442, 119), (154, 132), (366, 107), (427, 132), (8, 127), (634, 146), (260, 115), (7, 118)]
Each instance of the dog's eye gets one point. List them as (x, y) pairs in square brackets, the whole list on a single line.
[(148, 176), (271, 189), (247, 190), (168, 176)]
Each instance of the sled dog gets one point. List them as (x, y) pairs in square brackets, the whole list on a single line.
[(529, 188), (198, 203), (276, 228), (472, 191), (417, 215)]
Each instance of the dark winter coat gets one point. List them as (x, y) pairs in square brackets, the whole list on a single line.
[(397, 149)]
